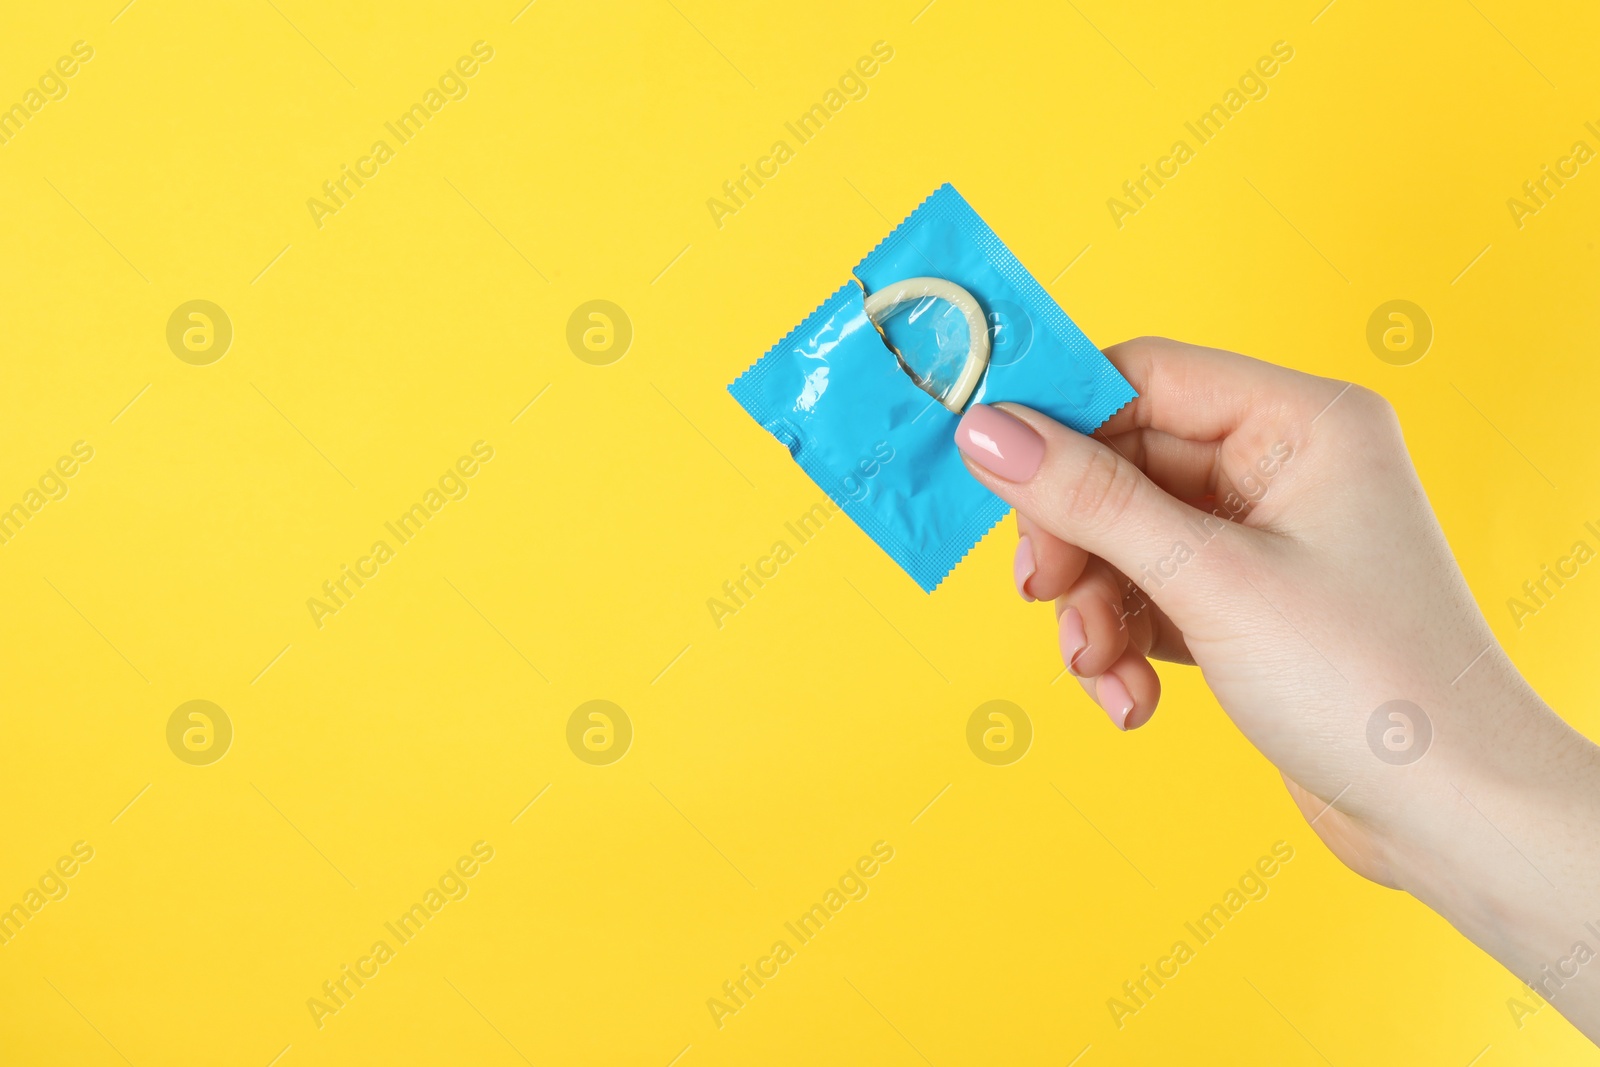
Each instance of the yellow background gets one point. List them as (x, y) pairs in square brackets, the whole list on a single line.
[(770, 753)]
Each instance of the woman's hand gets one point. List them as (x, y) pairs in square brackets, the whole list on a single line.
[(1267, 526)]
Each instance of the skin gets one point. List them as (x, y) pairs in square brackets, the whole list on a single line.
[(1325, 591)]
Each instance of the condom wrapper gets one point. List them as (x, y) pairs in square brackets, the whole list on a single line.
[(864, 412)]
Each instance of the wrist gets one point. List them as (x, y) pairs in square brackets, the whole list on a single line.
[(1497, 836)]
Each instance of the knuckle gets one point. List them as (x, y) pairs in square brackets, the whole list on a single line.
[(1145, 343), (1102, 489), (1371, 403), (1366, 416)]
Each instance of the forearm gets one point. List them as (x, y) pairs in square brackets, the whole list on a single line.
[(1507, 845)]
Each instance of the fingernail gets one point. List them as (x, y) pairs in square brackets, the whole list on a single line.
[(1113, 697), (1073, 638), (1023, 566), (1000, 444)]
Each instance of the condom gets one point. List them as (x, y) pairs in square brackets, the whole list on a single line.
[(866, 391)]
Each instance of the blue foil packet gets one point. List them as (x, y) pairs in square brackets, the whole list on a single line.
[(858, 405)]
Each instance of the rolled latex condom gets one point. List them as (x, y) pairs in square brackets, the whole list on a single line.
[(882, 303)]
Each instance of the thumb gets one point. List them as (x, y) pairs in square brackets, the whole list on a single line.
[(1087, 494)]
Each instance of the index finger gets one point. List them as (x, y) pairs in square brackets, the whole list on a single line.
[(1205, 394)]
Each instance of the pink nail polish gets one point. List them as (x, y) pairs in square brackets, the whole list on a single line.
[(999, 443), (1023, 566), (1073, 638), (1113, 697)]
